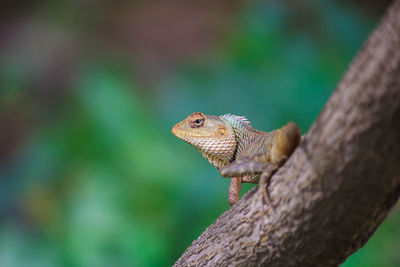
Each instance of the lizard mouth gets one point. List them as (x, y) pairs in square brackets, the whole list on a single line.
[(180, 133)]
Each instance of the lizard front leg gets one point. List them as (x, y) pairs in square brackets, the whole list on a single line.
[(234, 190), (251, 171), (236, 185), (243, 168), (261, 167), (248, 169)]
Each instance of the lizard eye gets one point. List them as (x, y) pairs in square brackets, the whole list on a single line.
[(197, 123)]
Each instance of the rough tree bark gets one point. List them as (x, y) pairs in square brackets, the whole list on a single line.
[(338, 186)]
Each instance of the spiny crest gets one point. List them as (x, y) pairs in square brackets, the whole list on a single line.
[(238, 121)]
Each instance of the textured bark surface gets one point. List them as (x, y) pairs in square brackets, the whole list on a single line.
[(337, 187)]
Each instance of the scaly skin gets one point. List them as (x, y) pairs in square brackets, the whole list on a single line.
[(237, 150)]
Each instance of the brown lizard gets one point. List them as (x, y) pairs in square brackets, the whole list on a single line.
[(237, 150)]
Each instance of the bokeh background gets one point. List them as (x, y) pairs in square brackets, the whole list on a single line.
[(90, 174)]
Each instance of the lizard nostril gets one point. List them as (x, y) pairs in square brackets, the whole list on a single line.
[(175, 127)]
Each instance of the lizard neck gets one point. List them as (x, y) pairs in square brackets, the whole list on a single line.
[(244, 133)]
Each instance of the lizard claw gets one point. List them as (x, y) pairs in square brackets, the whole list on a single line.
[(265, 179)]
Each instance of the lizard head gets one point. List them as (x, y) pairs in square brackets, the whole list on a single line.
[(212, 135)]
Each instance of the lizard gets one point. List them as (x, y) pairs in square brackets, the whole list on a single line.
[(237, 150)]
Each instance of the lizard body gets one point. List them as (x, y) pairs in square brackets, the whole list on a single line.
[(236, 149)]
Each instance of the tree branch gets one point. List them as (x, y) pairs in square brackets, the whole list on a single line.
[(338, 186)]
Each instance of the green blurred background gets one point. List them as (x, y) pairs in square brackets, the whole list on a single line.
[(90, 174)]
